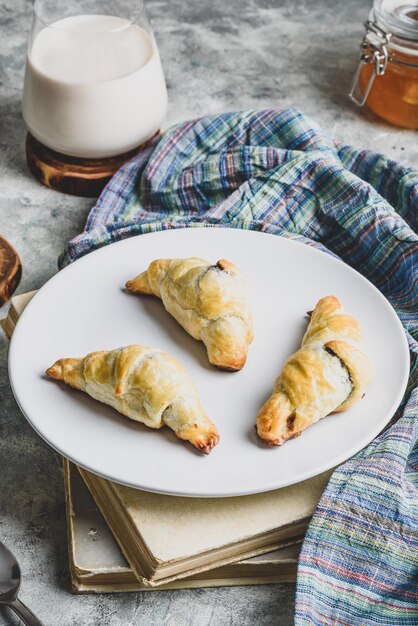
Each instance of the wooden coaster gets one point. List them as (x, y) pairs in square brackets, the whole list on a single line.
[(78, 177), (10, 270)]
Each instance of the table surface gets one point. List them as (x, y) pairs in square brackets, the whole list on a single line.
[(217, 56)]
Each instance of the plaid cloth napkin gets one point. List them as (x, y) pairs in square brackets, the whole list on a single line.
[(277, 172)]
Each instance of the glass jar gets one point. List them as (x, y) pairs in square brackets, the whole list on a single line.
[(387, 76)]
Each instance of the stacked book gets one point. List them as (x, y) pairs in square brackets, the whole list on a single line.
[(124, 539)]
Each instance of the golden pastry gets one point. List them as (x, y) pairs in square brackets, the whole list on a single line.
[(209, 301), (144, 384), (328, 374)]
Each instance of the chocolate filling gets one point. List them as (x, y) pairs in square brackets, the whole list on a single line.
[(290, 422), (343, 365)]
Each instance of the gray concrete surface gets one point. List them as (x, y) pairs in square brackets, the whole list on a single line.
[(218, 55)]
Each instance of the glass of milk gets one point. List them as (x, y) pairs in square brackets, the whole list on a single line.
[(94, 85)]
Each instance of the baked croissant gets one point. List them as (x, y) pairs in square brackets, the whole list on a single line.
[(328, 374), (209, 301), (144, 384)]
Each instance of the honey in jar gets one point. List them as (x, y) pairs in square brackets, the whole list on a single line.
[(387, 77)]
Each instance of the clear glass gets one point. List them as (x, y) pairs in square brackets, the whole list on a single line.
[(399, 17), (394, 95), (94, 85)]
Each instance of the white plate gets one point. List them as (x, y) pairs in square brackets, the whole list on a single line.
[(85, 308)]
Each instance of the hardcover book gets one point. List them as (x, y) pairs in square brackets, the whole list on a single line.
[(165, 538), (98, 565)]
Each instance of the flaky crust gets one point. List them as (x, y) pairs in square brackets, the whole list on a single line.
[(328, 374), (144, 384), (209, 301)]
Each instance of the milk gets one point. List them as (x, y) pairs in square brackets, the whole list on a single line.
[(94, 86)]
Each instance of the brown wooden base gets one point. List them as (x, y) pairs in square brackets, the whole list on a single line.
[(72, 175), (10, 270)]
